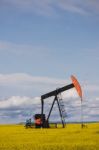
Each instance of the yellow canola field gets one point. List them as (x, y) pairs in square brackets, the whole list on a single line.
[(16, 137)]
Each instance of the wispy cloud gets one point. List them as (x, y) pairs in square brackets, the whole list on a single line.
[(48, 7), (22, 78), (92, 87), (27, 85), (22, 49), (27, 80), (72, 6)]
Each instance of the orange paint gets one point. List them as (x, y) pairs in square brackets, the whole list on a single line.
[(77, 86)]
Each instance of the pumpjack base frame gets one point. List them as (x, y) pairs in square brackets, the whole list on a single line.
[(55, 100)]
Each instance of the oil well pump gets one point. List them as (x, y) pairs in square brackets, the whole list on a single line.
[(43, 121)]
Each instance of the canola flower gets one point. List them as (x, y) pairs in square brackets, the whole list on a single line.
[(16, 137)]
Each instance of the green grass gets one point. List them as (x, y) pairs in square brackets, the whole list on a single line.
[(16, 137)]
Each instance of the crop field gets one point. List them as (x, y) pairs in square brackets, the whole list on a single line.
[(16, 137)]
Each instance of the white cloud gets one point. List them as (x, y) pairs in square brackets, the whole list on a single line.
[(19, 107), (47, 7), (21, 102), (70, 94), (21, 84), (94, 4), (40, 7), (22, 49), (71, 6), (92, 87), (17, 101), (42, 84), (22, 78)]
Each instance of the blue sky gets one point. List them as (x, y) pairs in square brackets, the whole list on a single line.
[(41, 44)]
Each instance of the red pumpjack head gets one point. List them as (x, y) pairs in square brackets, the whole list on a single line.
[(77, 86)]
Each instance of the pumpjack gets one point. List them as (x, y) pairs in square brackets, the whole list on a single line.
[(41, 121)]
